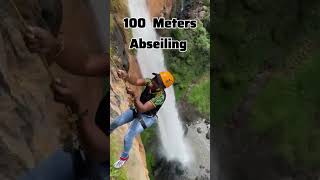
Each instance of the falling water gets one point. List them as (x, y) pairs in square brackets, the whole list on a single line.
[(182, 5), (152, 60)]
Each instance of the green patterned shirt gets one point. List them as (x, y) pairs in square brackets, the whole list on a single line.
[(157, 97)]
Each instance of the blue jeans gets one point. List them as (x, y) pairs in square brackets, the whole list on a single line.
[(134, 129), (62, 166)]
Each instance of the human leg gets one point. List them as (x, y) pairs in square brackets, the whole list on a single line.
[(124, 118), (134, 129)]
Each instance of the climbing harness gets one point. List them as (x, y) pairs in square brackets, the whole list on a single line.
[(140, 118), (143, 124)]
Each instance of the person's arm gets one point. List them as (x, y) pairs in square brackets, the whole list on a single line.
[(95, 141), (134, 81), (140, 107), (81, 63), (68, 55)]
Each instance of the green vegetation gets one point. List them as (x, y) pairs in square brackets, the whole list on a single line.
[(199, 96), (206, 2), (229, 90), (252, 39), (189, 67), (150, 164), (148, 137), (287, 110), (118, 174), (284, 112)]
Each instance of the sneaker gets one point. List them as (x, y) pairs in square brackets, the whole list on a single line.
[(120, 162)]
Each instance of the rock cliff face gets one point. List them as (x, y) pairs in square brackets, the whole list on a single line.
[(136, 167), (29, 119), (31, 123), (160, 8)]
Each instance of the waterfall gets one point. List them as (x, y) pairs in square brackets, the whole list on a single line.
[(182, 5), (174, 145)]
